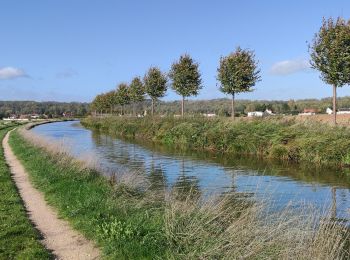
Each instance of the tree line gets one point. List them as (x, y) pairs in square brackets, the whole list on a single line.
[(50, 109), (222, 107), (237, 72)]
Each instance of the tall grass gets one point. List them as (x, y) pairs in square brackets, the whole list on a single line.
[(278, 138), (130, 220)]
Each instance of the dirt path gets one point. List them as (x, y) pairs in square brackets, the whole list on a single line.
[(59, 237)]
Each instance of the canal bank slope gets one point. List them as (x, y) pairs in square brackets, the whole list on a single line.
[(276, 138), (59, 237), (131, 220)]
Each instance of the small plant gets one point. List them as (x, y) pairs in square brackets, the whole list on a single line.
[(346, 160), (117, 230)]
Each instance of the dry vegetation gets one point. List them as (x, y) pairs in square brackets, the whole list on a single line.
[(343, 120), (143, 223)]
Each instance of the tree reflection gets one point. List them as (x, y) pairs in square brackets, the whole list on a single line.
[(157, 179), (186, 187)]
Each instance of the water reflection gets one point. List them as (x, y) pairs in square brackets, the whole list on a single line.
[(206, 173)]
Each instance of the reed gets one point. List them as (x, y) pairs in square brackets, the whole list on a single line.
[(277, 138)]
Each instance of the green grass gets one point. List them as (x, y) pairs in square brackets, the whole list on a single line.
[(121, 225), (136, 222), (274, 138), (18, 238)]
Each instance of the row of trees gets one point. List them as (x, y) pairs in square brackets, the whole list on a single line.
[(237, 72)]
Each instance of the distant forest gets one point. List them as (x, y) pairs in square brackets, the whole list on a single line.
[(218, 106), (51, 109)]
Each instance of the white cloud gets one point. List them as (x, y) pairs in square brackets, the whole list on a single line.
[(11, 73), (287, 67), (68, 73)]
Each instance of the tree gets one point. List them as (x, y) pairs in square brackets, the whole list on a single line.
[(136, 91), (155, 84), (109, 99), (238, 72), (330, 54), (186, 78), (97, 104), (122, 96)]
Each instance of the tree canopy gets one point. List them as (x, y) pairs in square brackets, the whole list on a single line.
[(330, 52), (238, 72), (122, 94), (185, 76), (136, 90), (155, 84)]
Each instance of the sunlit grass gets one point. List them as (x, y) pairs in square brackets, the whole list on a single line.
[(18, 238), (130, 220)]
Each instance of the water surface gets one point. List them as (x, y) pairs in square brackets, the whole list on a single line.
[(210, 173)]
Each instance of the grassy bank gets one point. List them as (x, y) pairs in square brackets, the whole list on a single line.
[(107, 214), (18, 238), (130, 219), (284, 139)]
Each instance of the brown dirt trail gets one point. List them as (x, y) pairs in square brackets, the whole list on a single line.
[(59, 237)]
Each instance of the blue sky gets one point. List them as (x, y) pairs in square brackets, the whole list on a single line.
[(70, 50)]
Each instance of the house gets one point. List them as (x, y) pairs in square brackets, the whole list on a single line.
[(308, 112), (24, 117), (269, 112), (255, 114), (35, 116), (67, 114), (17, 118), (341, 111), (260, 113), (209, 115)]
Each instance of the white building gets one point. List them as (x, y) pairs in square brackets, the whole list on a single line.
[(209, 115), (260, 114), (255, 114), (341, 111)]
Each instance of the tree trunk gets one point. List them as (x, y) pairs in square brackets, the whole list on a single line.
[(183, 107), (134, 109), (152, 106), (233, 106), (335, 104)]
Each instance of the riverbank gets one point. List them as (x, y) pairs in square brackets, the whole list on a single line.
[(58, 236), (129, 219), (275, 138), (18, 238)]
